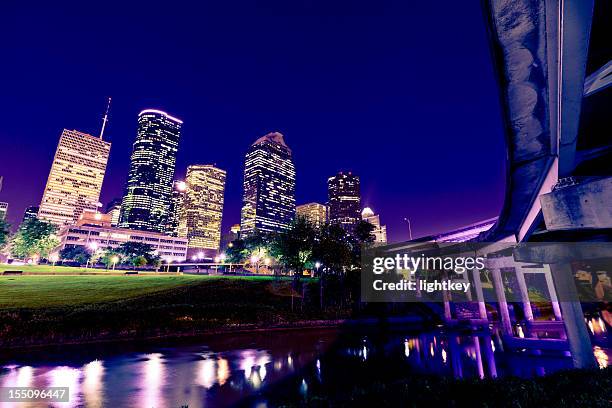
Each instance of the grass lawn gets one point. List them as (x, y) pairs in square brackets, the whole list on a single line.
[(32, 291), (49, 269)]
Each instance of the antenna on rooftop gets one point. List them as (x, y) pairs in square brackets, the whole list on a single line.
[(105, 119)]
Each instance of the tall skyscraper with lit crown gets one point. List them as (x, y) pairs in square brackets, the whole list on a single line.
[(147, 200), (269, 186), (75, 179), (344, 200), (202, 212)]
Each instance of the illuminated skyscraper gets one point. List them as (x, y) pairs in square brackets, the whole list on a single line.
[(200, 221), (176, 208), (344, 200), (148, 194), (314, 212), (380, 231), (269, 186), (75, 179)]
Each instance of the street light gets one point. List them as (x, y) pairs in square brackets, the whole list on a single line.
[(54, 258), (255, 260), (409, 227), (317, 266), (114, 260), (94, 248)]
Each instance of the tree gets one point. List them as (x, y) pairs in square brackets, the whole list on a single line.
[(293, 248), (237, 251), (139, 261), (130, 251), (111, 258), (4, 232), (333, 249), (35, 239), (76, 253), (364, 232)]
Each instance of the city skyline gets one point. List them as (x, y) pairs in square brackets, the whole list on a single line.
[(361, 93)]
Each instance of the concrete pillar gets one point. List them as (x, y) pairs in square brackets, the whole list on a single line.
[(553, 294), (498, 283), (578, 338), (520, 277), (478, 357), (482, 309), (490, 356), (455, 352)]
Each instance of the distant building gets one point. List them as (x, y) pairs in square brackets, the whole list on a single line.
[(176, 210), (269, 186), (203, 209), (95, 219), (314, 212), (344, 200), (3, 210), (113, 209), (30, 213), (75, 179), (380, 231), (232, 235), (148, 194), (3, 206), (106, 237)]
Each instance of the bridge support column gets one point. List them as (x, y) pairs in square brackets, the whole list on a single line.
[(490, 356), (553, 294), (573, 316), (498, 283), (482, 309)]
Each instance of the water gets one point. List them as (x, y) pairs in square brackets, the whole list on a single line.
[(241, 369)]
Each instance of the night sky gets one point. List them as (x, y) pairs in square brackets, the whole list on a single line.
[(401, 93)]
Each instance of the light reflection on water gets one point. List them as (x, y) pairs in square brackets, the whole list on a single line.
[(214, 375)]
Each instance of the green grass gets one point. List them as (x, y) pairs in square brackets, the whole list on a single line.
[(38, 310), (49, 269), (32, 291)]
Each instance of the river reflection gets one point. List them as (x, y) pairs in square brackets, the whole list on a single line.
[(240, 369)]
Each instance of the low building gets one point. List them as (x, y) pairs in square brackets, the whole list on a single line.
[(30, 213), (3, 211), (113, 209), (380, 231), (314, 212), (95, 230)]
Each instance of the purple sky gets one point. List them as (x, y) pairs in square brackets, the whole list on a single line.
[(401, 94)]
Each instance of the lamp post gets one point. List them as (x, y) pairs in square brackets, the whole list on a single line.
[(94, 248), (255, 260), (317, 266), (409, 227), (54, 258)]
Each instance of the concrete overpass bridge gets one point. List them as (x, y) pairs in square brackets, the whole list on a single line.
[(554, 70)]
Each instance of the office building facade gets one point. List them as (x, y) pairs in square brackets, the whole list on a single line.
[(380, 231), (269, 186), (315, 213), (148, 196), (30, 213), (202, 213), (176, 212), (75, 179), (344, 200)]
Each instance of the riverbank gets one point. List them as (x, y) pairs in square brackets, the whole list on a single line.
[(57, 310), (568, 388)]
